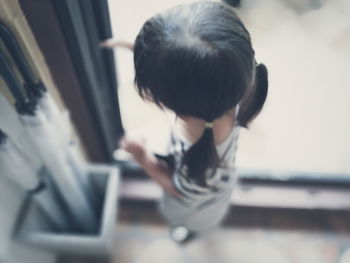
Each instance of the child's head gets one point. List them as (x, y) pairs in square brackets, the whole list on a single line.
[(197, 60)]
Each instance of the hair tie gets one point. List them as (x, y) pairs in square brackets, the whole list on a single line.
[(208, 125)]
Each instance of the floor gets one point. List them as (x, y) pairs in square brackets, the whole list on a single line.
[(151, 244), (306, 47), (248, 235)]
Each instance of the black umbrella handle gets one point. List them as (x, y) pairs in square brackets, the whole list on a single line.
[(33, 85), (22, 103), (17, 54)]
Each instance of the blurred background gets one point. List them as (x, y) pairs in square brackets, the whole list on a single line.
[(292, 201), (305, 45)]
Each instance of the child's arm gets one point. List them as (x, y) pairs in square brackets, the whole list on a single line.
[(151, 165)]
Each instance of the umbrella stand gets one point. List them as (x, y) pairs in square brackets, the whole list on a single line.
[(34, 231), (26, 177)]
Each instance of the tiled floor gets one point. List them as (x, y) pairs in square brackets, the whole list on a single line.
[(248, 236), (147, 243)]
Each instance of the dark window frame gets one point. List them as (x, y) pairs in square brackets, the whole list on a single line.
[(68, 33)]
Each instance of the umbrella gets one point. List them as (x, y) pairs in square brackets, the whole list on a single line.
[(25, 173), (61, 122), (43, 136), (39, 94), (16, 167), (48, 147)]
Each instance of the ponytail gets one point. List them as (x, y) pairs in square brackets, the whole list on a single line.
[(253, 103), (201, 156)]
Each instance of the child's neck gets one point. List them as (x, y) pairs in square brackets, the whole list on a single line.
[(192, 128)]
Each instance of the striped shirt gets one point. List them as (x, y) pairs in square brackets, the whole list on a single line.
[(200, 207), (218, 180)]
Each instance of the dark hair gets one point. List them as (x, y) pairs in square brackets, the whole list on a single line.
[(197, 60)]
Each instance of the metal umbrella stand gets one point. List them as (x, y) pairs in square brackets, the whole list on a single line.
[(25, 175), (32, 228)]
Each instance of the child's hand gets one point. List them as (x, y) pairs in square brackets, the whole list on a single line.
[(136, 147), (152, 166)]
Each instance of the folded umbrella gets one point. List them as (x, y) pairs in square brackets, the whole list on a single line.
[(38, 93), (48, 147), (10, 124), (61, 122), (47, 144), (15, 166)]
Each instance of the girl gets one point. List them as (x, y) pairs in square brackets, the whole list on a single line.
[(197, 60)]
